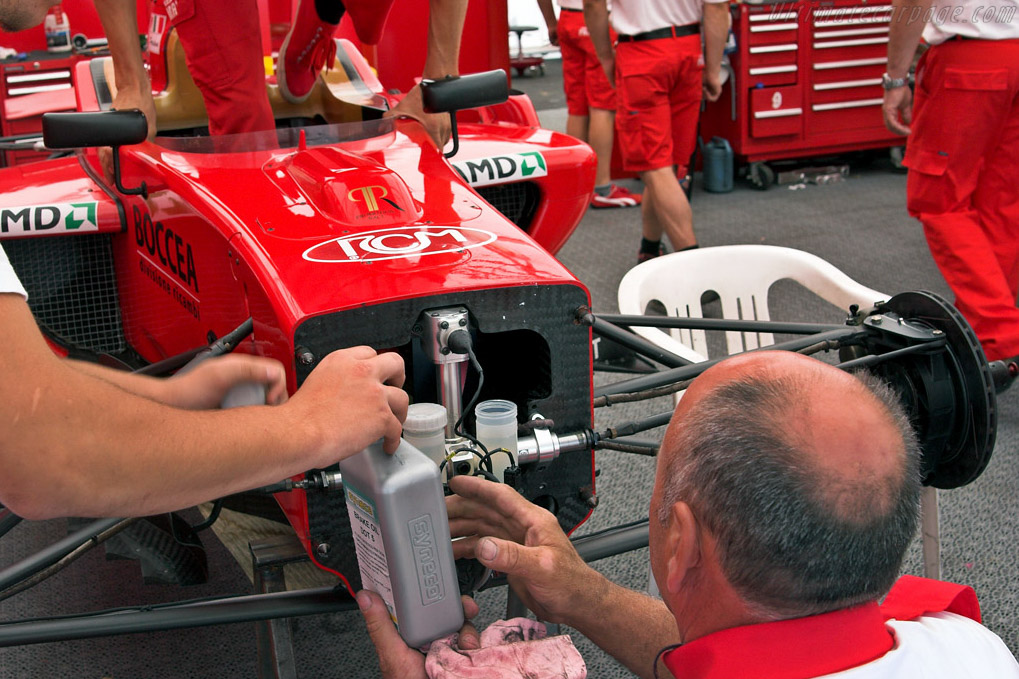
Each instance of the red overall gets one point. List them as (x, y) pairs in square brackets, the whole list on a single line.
[(963, 156)]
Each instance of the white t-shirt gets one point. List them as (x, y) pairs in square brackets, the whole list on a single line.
[(998, 20), (8, 279), (939, 645), (630, 17)]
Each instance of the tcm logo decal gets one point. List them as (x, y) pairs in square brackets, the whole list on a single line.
[(426, 559), (370, 196), (500, 169), (399, 242), (49, 218)]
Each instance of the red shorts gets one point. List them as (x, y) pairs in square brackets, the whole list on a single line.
[(963, 159), (583, 76), (659, 88), (222, 41)]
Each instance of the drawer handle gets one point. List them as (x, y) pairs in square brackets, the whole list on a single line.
[(18, 91), (768, 70), (778, 113), (765, 49), (859, 103), (828, 13), (779, 16), (846, 84), (850, 43), (828, 65), (859, 21), (774, 27), (856, 31), (39, 77)]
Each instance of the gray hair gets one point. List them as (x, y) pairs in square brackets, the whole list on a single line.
[(793, 540)]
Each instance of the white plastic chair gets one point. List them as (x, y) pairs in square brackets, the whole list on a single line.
[(741, 276)]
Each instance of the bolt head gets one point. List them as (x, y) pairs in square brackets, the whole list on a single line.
[(322, 549), (444, 325), (306, 358)]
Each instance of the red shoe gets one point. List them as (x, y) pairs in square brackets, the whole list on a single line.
[(618, 197), (308, 47)]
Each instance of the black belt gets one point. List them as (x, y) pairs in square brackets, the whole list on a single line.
[(569, 9), (667, 32)]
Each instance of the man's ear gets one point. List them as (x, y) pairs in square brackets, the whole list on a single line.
[(682, 539)]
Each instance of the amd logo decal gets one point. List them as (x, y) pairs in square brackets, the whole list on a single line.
[(398, 242), (501, 169), (55, 218)]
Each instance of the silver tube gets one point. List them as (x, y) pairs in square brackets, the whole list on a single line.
[(449, 391)]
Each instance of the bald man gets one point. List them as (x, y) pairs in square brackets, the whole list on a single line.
[(785, 497)]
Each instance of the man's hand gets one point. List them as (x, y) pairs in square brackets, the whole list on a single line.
[(438, 124), (125, 101), (524, 541), (396, 659), (608, 64), (352, 398), (205, 386), (712, 85), (898, 102)]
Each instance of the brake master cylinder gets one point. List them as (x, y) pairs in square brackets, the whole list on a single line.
[(401, 536)]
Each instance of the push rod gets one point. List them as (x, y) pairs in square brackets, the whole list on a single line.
[(719, 324), (197, 614), (48, 556), (635, 342), (613, 541), (8, 520), (673, 375)]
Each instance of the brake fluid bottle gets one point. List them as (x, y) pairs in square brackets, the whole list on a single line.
[(58, 31), (401, 534)]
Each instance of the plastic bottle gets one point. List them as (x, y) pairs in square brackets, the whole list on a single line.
[(718, 166), (58, 30), (425, 429), (496, 427), (401, 535)]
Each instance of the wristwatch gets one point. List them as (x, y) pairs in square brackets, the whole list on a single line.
[(890, 83)]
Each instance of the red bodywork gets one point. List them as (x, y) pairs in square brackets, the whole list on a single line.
[(302, 230)]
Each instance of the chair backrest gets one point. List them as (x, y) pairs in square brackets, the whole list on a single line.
[(741, 276)]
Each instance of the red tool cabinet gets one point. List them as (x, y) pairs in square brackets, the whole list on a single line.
[(30, 86), (806, 81)]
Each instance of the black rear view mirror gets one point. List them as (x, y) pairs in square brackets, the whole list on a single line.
[(102, 128), (452, 94)]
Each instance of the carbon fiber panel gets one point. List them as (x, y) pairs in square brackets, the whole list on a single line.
[(533, 353)]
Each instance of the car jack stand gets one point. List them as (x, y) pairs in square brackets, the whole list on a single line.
[(274, 638)]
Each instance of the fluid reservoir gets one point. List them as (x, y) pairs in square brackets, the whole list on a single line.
[(425, 428), (401, 536), (496, 427)]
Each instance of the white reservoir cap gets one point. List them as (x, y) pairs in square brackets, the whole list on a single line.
[(425, 417)]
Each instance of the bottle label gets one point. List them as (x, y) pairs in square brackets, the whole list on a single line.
[(371, 552)]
